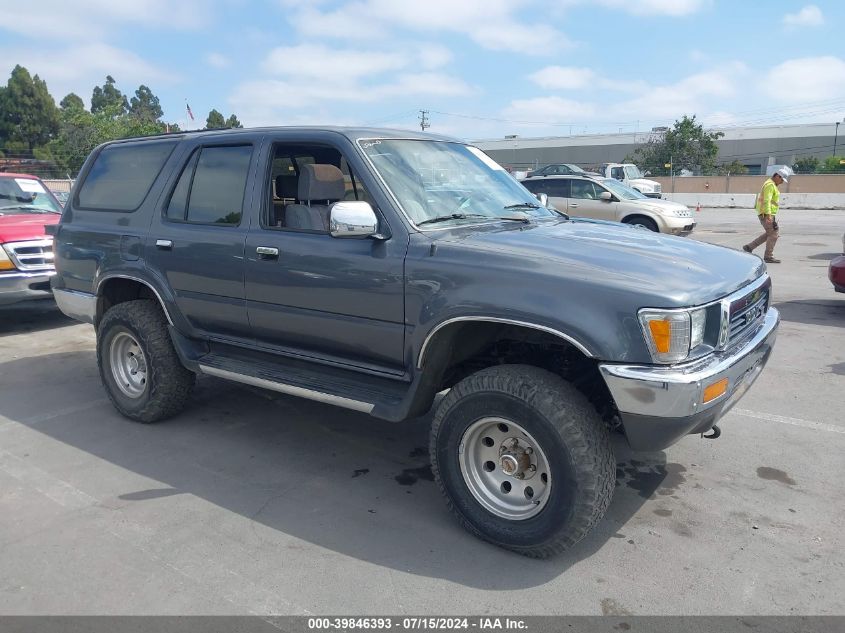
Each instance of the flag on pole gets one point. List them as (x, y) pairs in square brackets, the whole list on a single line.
[(188, 108)]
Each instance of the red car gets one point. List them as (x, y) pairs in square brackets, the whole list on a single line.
[(836, 272), (26, 251)]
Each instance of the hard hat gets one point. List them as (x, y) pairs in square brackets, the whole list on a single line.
[(783, 172)]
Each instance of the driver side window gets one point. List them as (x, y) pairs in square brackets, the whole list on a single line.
[(584, 190)]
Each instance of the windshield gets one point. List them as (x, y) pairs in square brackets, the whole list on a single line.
[(25, 195), (449, 183), (621, 190), (576, 169), (632, 173)]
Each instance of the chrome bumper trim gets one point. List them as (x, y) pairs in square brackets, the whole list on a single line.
[(676, 392)]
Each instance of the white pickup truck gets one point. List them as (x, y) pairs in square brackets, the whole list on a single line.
[(631, 176)]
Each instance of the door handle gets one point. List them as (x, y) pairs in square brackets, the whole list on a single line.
[(267, 252), (164, 245), (573, 205)]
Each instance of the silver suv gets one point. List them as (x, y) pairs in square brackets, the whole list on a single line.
[(609, 199)]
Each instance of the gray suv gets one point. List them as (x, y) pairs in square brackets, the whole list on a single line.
[(374, 270)]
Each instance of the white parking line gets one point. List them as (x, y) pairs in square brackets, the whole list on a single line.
[(807, 424)]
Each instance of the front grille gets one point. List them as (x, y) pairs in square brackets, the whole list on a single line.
[(747, 312), (31, 256)]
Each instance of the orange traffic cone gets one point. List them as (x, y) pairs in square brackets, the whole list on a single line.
[(698, 208)]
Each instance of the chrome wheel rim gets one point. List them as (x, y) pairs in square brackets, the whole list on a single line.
[(128, 365), (505, 468)]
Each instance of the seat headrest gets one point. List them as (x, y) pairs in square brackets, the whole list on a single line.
[(286, 186), (321, 182)]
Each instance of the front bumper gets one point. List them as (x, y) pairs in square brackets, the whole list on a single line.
[(18, 286), (682, 226), (659, 405)]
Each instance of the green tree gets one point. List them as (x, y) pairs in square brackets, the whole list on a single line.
[(215, 121), (107, 98), (734, 168), (833, 165), (233, 122), (807, 165), (685, 146), (145, 105), (72, 101), (28, 114)]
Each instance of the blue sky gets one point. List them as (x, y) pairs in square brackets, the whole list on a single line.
[(484, 68)]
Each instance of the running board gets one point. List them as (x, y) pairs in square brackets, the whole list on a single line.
[(291, 390)]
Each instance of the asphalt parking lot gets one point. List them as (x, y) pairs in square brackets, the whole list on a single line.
[(255, 502)]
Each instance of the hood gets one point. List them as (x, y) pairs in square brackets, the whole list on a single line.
[(644, 181), (659, 203), (666, 271), (18, 227)]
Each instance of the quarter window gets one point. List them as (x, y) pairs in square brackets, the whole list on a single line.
[(122, 175)]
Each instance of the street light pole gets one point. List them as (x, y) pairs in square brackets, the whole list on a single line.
[(835, 137)]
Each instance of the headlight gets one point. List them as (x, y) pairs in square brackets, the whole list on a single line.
[(672, 334), (682, 213), (5, 262)]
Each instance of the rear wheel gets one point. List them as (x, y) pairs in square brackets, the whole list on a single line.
[(642, 221), (140, 370), (523, 459)]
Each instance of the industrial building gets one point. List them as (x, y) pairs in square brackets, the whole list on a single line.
[(755, 147)]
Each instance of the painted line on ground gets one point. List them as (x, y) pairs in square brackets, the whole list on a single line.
[(807, 424)]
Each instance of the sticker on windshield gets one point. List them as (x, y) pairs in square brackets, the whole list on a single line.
[(492, 164), (29, 185)]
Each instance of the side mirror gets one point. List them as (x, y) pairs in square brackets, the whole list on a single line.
[(543, 198), (606, 196), (352, 218), (648, 173)]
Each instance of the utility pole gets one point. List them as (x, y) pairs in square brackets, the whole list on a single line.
[(424, 121), (835, 138)]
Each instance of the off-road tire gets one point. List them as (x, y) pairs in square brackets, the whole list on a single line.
[(168, 383), (571, 434)]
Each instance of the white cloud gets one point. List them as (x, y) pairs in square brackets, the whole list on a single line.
[(79, 68), (548, 110), (673, 8), (806, 79), (577, 78), (690, 95), (434, 56), (492, 24), (325, 64), (562, 77), (810, 15), (216, 60), (86, 19)]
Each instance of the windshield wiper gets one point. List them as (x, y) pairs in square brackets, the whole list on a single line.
[(523, 205), (453, 216)]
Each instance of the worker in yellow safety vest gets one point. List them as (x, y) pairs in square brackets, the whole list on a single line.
[(768, 201)]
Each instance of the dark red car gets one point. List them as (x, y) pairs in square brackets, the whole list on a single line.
[(26, 251), (836, 271)]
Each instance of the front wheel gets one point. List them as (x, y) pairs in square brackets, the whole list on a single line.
[(642, 222), (523, 459)]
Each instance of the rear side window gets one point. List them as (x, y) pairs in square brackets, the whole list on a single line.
[(211, 187), (122, 175)]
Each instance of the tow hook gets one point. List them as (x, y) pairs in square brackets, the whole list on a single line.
[(714, 433)]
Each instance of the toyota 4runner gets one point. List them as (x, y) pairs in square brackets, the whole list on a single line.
[(373, 270)]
